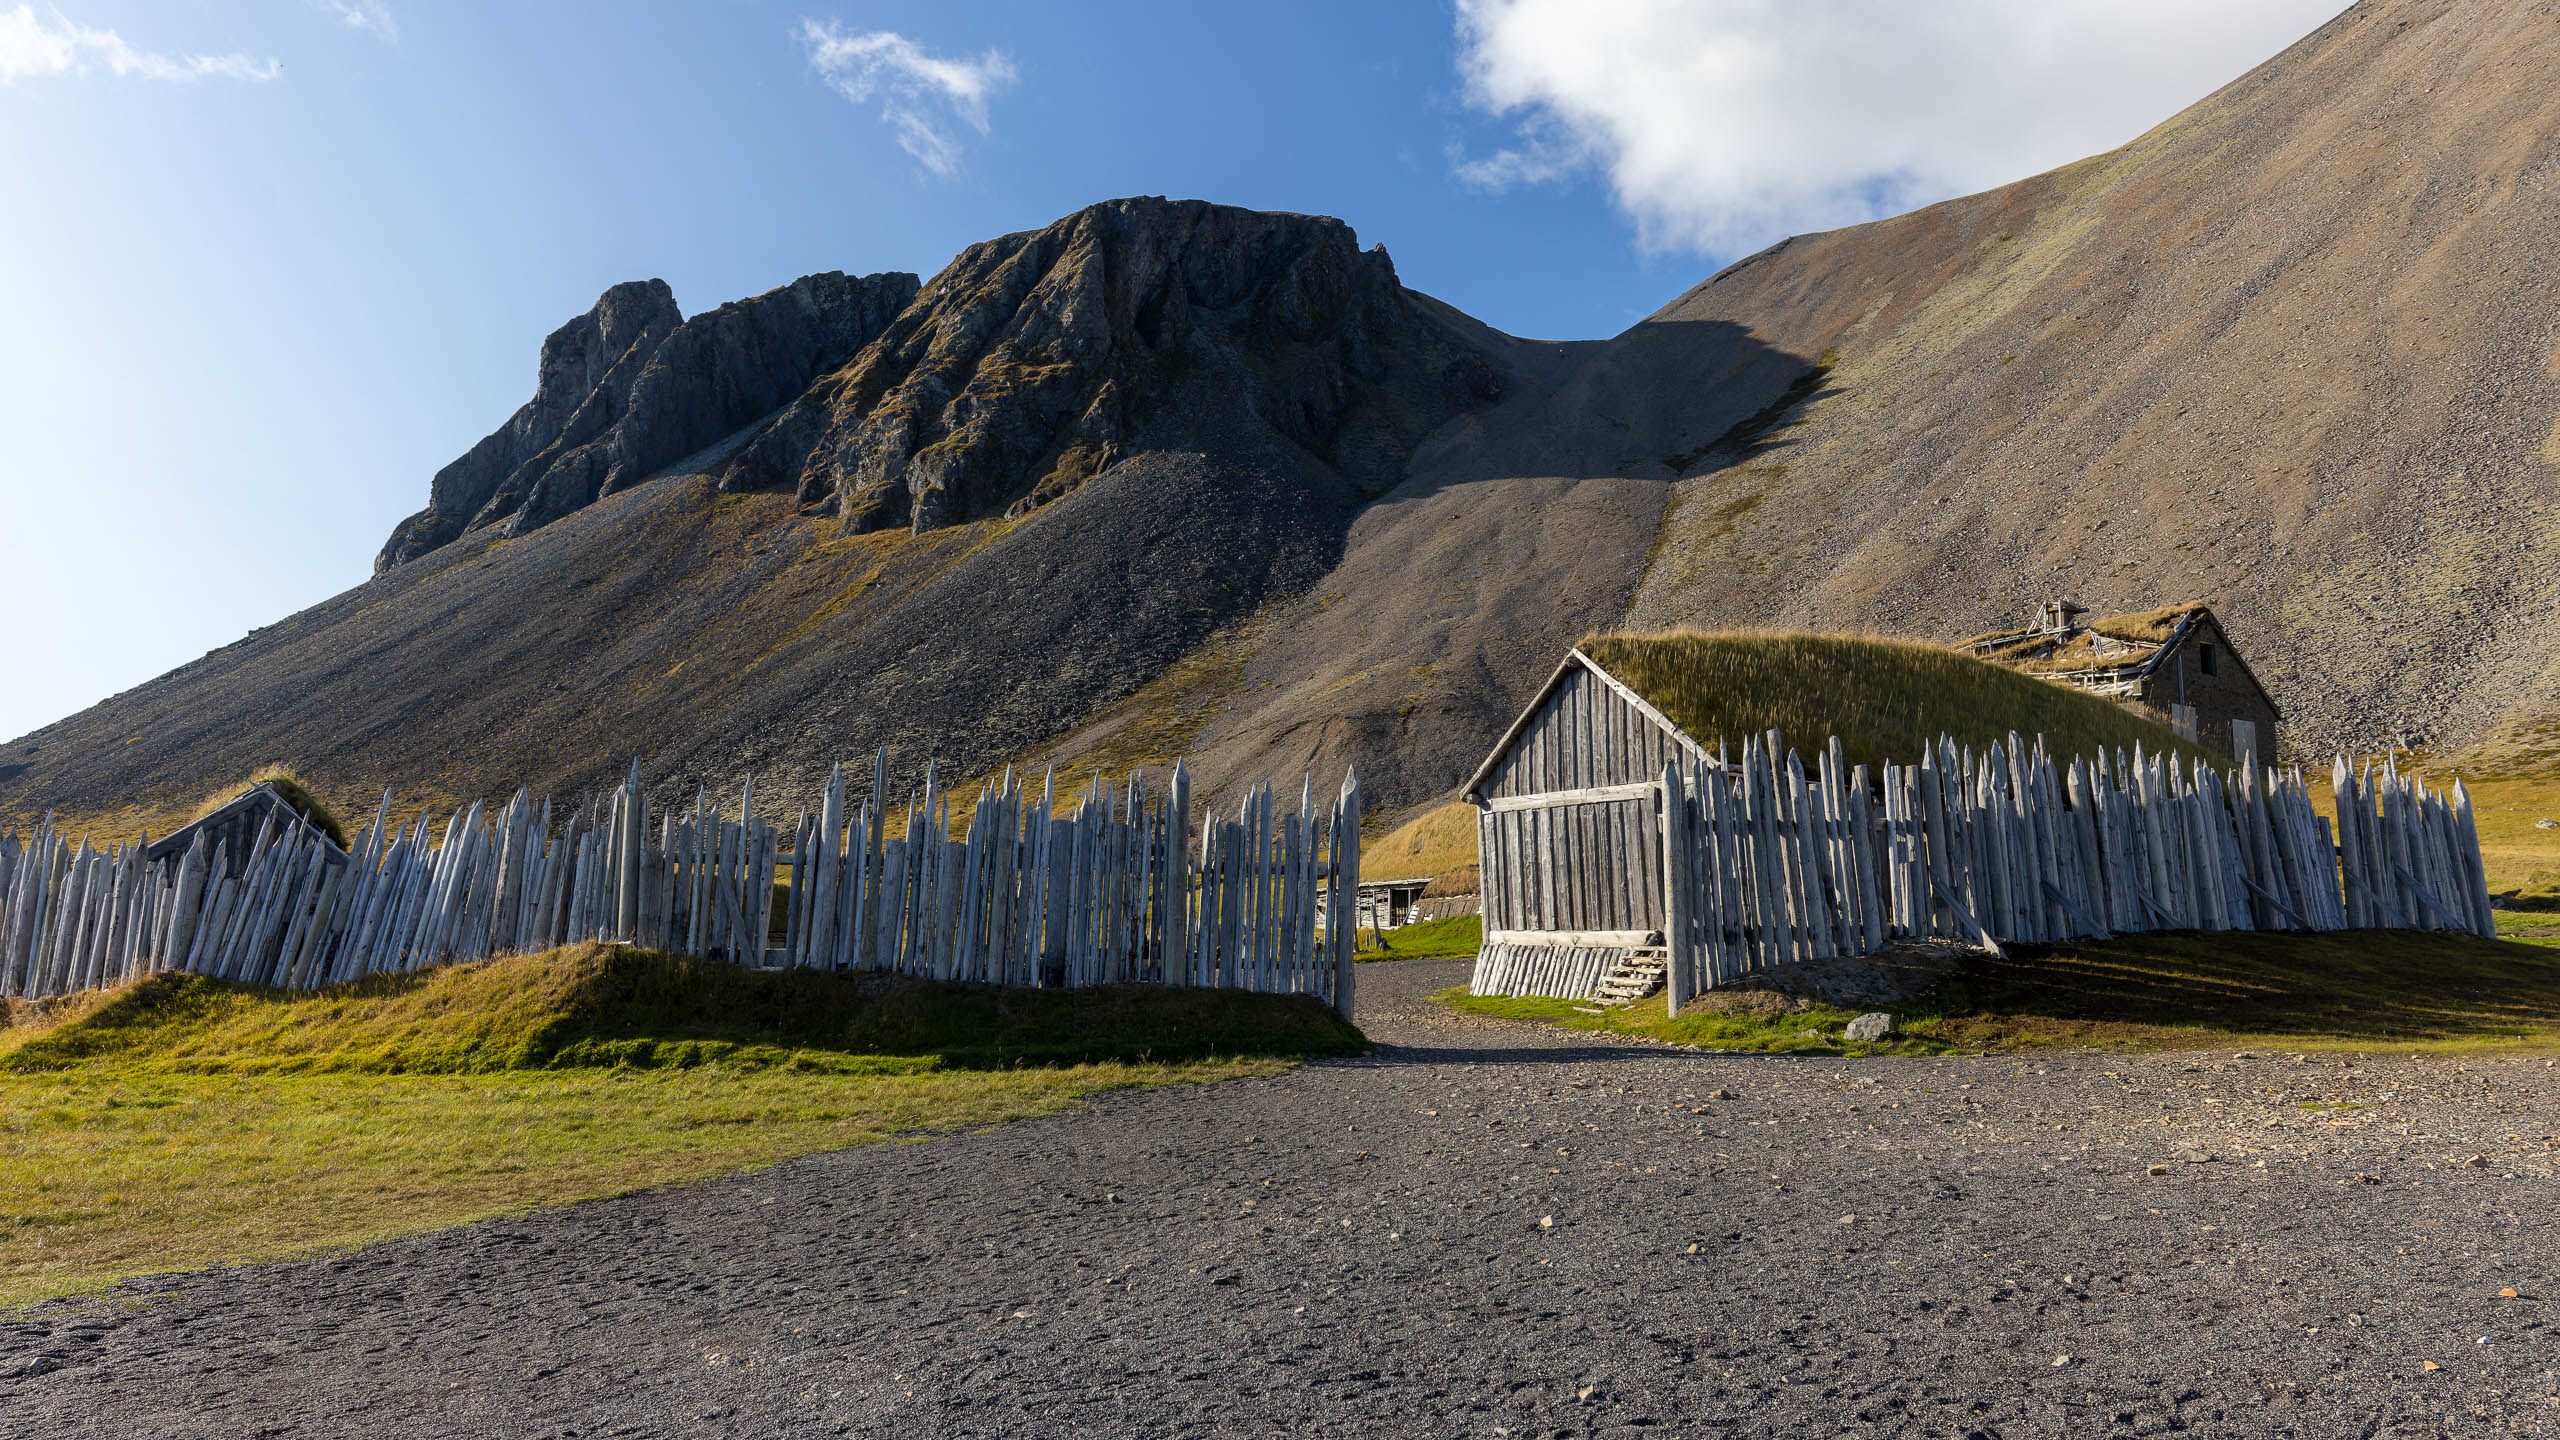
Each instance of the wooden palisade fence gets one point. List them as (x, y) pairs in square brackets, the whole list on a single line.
[(1116, 889), (1766, 864)]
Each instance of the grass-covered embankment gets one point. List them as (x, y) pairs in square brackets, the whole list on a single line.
[(2361, 989), (181, 1122)]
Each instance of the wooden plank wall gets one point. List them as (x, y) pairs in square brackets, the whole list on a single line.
[(1591, 866), (1585, 735), (1566, 971)]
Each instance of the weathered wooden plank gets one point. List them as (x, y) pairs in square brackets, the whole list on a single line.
[(1623, 939)]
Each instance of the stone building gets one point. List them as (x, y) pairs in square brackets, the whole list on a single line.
[(2175, 664)]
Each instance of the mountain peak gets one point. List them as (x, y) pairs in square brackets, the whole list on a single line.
[(632, 386), (1034, 361)]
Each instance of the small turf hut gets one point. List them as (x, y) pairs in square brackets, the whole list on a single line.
[(2175, 663), (233, 828)]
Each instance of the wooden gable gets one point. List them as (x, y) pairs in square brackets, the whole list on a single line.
[(235, 826), (1584, 730)]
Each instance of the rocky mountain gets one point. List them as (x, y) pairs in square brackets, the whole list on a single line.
[(1173, 478), (1040, 360), (1009, 498), (2293, 352)]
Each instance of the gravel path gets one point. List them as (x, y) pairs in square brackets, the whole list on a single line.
[(1485, 1229)]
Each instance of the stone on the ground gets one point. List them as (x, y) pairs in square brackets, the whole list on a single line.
[(1876, 1025)]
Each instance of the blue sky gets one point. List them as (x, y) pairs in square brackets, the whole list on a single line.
[(267, 264)]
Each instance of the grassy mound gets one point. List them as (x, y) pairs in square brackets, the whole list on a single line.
[(2188, 990), (603, 1006), (1885, 699), (1434, 843)]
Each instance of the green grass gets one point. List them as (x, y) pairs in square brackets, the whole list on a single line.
[(1885, 699), (1774, 1030), (181, 1123), (1432, 939), (2362, 990)]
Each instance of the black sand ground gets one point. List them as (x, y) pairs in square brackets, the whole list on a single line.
[(1484, 1230)]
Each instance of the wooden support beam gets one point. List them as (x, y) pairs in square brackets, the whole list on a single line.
[(2389, 911), (2286, 910), (2053, 893), (1590, 795), (1578, 939), (1947, 897), (2441, 914)]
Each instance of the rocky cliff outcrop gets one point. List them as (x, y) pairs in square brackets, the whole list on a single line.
[(1034, 362), (632, 386)]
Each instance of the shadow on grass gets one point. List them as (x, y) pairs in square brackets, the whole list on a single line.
[(614, 1006), (2184, 990), (2341, 987)]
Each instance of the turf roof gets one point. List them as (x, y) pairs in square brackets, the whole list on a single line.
[(1885, 699)]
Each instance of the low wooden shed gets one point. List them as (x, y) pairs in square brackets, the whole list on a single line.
[(1569, 825)]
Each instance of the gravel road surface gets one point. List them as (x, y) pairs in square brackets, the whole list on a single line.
[(1485, 1229)]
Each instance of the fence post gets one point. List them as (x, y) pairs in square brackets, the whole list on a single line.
[(1347, 864)]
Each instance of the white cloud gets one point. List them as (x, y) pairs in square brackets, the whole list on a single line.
[(1722, 125), (31, 47), (918, 93), (368, 15)]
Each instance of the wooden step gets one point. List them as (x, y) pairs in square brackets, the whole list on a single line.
[(1640, 974)]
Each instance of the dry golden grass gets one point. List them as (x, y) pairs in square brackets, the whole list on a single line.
[(2148, 626), (1433, 844), (111, 1173)]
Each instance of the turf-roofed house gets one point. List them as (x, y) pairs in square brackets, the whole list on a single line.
[(2175, 663), (1570, 807)]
